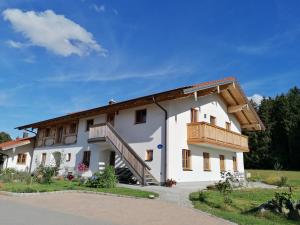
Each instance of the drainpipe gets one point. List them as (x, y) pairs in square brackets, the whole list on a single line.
[(166, 117)]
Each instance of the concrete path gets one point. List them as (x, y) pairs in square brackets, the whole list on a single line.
[(90, 209)]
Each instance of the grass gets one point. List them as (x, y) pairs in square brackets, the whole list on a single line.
[(267, 176), (243, 200), (61, 185)]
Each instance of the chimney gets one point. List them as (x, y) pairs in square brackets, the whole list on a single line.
[(25, 135), (111, 102)]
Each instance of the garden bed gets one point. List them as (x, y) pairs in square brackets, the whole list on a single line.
[(65, 185)]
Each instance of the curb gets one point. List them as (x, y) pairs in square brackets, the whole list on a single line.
[(15, 194)]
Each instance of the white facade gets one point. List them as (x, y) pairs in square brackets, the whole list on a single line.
[(12, 160), (147, 136)]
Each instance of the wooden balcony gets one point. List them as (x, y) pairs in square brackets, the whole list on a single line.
[(205, 133)]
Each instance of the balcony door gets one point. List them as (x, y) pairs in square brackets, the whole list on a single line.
[(194, 115), (60, 133)]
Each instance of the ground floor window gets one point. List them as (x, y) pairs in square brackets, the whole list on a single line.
[(149, 155), (234, 164), (44, 156), (206, 161), (222, 163), (86, 158), (21, 158), (186, 159), (68, 157)]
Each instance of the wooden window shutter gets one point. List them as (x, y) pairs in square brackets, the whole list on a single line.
[(186, 159), (222, 163), (206, 163)]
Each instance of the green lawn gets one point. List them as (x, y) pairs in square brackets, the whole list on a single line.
[(267, 175), (59, 185), (246, 199)]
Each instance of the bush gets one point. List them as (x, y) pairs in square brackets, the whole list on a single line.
[(275, 180), (105, 179), (225, 186), (44, 174)]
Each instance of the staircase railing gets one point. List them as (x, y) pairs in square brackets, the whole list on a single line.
[(105, 130)]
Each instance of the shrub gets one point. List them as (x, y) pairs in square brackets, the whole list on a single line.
[(44, 174), (225, 186), (105, 179), (170, 183), (70, 177), (276, 180), (283, 181)]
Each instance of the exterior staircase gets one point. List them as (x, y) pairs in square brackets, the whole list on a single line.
[(134, 163)]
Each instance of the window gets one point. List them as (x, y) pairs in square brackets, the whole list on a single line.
[(213, 120), (149, 155), (21, 158), (234, 164), (186, 159), (222, 163), (140, 116), (60, 133), (89, 123), (86, 158), (194, 115), (72, 128), (44, 156), (68, 157), (228, 126), (47, 132), (206, 164)]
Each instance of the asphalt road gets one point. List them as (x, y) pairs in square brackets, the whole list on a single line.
[(15, 213), (92, 209)]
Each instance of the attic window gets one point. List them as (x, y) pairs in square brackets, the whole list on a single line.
[(140, 116)]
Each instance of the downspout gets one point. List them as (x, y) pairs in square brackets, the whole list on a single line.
[(166, 117)]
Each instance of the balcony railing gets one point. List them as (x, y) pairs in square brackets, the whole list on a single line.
[(202, 132)]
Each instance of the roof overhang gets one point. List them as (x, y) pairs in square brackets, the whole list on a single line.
[(228, 89)]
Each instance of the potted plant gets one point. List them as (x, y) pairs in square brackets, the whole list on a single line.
[(170, 183)]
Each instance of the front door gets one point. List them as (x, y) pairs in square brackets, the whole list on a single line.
[(112, 159), (111, 118)]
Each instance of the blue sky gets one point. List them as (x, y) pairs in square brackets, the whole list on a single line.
[(59, 56)]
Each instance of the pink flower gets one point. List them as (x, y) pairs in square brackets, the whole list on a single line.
[(82, 167)]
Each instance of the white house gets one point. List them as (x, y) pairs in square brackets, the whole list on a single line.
[(186, 134), (17, 154)]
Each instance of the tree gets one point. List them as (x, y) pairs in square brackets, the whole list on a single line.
[(279, 143), (4, 137)]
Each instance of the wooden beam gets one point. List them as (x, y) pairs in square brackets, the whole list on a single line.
[(253, 125), (195, 95), (237, 108)]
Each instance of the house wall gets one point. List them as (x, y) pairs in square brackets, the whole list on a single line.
[(149, 135), (179, 116), (11, 161)]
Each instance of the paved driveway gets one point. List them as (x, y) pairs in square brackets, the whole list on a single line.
[(92, 209)]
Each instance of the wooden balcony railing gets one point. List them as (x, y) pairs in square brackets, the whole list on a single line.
[(202, 132)]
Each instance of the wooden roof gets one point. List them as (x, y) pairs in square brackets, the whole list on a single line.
[(228, 89)]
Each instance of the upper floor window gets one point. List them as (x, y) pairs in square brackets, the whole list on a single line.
[(72, 128), (89, 123), (21, 159), (228, 126), (212, 120), (149, 155), (140, 116), (186, 159), (194, 115)]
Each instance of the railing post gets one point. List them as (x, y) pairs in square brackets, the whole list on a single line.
[(143, 176)]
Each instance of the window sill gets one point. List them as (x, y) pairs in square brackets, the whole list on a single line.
[(185, 169), (207, 170), (136, 123), (148, 160)]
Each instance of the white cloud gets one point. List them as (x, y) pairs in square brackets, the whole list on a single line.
[(98, 8), (256, 98), (16, 44), (53, 32)]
